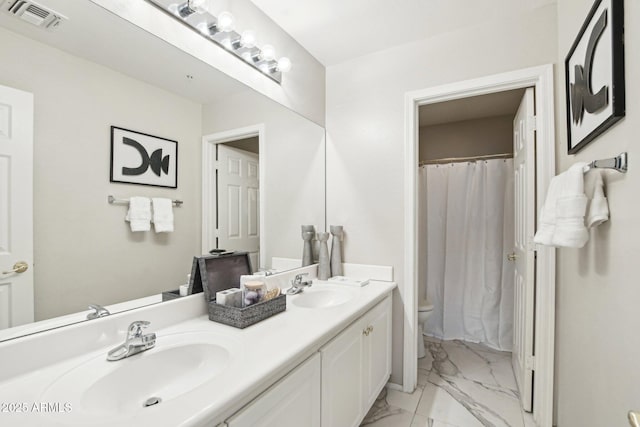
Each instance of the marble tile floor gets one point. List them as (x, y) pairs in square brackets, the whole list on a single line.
[(460, 384)]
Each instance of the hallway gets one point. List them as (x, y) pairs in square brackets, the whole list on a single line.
[(460, 384)]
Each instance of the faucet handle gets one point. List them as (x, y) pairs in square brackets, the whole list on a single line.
[(135, 328), (99, 311), (298, 278)]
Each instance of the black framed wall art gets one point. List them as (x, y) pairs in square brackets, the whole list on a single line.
[(594, 75), (140, 158)]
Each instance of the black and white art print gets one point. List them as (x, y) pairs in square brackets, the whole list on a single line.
[(139, 158), (594, 74)]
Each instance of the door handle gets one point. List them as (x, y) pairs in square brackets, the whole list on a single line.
[(18, 267), (634, 418), (512, 256)]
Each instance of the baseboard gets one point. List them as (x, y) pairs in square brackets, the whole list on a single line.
[(394, 386)]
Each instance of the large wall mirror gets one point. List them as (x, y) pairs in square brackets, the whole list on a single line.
[(97, 71)]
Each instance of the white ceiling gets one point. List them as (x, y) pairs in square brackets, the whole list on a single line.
[(93, 33), (337, 30)]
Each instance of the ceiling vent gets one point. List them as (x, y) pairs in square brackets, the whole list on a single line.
[(34, 13)]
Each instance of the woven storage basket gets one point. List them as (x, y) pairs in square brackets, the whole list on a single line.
[(243, 317)]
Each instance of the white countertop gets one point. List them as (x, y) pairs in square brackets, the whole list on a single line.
[(262, 353)]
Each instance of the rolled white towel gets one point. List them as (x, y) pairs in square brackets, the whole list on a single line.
[(162, 215), (139, 214)]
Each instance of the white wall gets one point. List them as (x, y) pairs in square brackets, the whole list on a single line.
[(302, 89), (365, 125), (467, 138), (84, 251), (597, 345), (294, 191)]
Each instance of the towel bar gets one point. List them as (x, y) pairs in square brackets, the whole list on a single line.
[(113, 200), (618, 163)]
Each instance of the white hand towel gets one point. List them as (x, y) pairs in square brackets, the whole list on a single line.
[(544, 235), (598, 207), (571, 206), (139, 214), (162, 215)]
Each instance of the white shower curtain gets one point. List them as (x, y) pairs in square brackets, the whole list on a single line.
[(466, 232)]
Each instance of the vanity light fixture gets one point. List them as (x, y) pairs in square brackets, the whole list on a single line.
[(220, 29)]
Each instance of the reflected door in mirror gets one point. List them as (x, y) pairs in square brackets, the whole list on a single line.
[(238, 202), (16, 204)]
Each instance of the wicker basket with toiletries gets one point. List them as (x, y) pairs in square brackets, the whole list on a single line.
[(234, 297)]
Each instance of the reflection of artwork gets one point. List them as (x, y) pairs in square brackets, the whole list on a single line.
[(595, 74), (138, 158)]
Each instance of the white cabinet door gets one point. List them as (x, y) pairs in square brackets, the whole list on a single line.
[(342, 379), (294, 401), (377, 351), (355, 367)]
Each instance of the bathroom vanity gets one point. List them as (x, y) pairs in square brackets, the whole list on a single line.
[(322, 362)]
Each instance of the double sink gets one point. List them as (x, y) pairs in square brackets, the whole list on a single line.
[(179, 364)]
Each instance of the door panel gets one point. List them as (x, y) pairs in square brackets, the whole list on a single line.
[(524, 255), (16, 206), (239, 202)]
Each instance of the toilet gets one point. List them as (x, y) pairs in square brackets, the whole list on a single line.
[(424, 311)]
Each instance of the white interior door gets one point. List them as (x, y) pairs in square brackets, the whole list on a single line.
[(16, 207), (524, 255), (238, 202)]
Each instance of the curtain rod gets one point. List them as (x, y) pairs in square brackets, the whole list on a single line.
[(467, 159)]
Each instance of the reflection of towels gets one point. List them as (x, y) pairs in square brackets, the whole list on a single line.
[(139, 214), (598, 208), (571, 205), (162, 215)]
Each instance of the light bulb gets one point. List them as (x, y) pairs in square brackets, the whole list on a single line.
[(196, 4), (248, 39), (284, 64), (268, 52), (225, 22)]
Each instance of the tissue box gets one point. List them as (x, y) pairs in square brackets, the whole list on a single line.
[(243, 317), (230, 297)]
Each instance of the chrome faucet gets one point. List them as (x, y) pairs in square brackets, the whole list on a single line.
[(100, 311), (297, 285), (136, 342)]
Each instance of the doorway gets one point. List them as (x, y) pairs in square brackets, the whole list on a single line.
[(232, 209), (541, 80)]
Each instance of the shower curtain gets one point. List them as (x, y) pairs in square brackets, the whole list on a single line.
[(466, 232)]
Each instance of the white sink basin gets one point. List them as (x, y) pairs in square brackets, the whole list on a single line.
[(108, 391), (322, 298)]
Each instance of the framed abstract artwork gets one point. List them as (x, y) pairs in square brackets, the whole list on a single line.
[(594, 75), (140, 158)]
